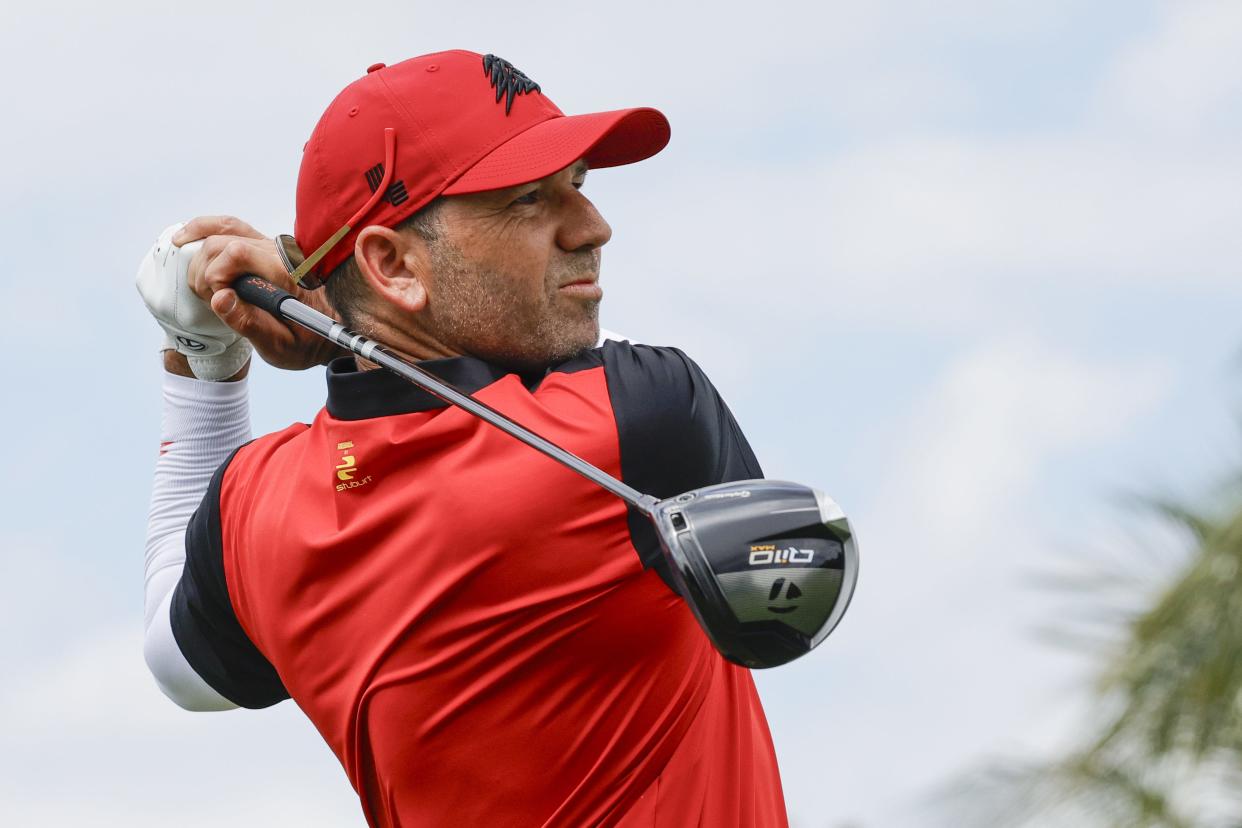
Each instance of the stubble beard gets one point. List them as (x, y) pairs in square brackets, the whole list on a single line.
[(492, 317)]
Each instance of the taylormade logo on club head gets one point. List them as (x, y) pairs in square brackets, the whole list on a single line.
[(792, 593), (722, 495)]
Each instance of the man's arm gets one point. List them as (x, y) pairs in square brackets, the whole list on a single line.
[(202, 424)]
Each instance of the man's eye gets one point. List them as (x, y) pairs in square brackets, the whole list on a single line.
[(527, 198), (578, 184)]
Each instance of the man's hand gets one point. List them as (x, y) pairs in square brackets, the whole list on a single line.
[(197, 343), (232, 248)]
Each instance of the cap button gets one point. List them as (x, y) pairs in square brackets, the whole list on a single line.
[(375, 67)]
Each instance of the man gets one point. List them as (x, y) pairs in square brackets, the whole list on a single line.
[(466, 622)]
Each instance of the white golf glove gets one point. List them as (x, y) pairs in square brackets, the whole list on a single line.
[(214, 351)]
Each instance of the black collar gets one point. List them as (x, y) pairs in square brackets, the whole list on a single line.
[(360, 395)]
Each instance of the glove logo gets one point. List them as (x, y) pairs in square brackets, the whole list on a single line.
[(192, 344)]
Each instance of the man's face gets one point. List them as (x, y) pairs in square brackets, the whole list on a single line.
[(514, 272)]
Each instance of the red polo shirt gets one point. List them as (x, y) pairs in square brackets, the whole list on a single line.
[(467, 622)]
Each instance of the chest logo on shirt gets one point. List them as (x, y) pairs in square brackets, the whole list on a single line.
[(348, 468)]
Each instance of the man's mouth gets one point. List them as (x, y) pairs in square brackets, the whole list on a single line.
[(586, 288)]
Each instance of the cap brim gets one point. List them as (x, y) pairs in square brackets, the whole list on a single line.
[(604, 139)]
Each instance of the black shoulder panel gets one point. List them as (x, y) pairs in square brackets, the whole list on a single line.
[(676, 432), (203, 621)]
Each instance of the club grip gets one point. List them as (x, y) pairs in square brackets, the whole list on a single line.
[(260, 292)]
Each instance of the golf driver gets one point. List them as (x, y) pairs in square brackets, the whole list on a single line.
[(767, 567)]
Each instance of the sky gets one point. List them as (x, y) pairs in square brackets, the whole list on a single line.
[(970, 267)]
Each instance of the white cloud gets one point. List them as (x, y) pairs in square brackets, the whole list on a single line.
[(978, 441), (1185, 77), (937, 232)]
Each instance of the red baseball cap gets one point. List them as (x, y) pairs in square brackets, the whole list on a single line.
[(443, 124)]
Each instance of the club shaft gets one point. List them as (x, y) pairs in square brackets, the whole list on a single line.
[(370, 350)]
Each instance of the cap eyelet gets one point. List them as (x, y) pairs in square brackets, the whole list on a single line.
[(353, 110), (432, 68)]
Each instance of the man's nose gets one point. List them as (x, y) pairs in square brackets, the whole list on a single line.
[(583, 228)]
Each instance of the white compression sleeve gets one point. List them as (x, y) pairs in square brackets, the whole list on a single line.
[(203, 423)]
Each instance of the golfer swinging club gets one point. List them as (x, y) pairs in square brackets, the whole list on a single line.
[(468, 624)]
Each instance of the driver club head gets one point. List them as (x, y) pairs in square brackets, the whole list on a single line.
[(768, 567)]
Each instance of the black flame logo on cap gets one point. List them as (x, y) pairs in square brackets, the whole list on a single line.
[(507, 80)]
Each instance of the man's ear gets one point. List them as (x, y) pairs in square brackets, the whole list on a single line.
[(394, 265)]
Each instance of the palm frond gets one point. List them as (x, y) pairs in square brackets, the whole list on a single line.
[(1083, 790), (1170, 691), (1181, 670)]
